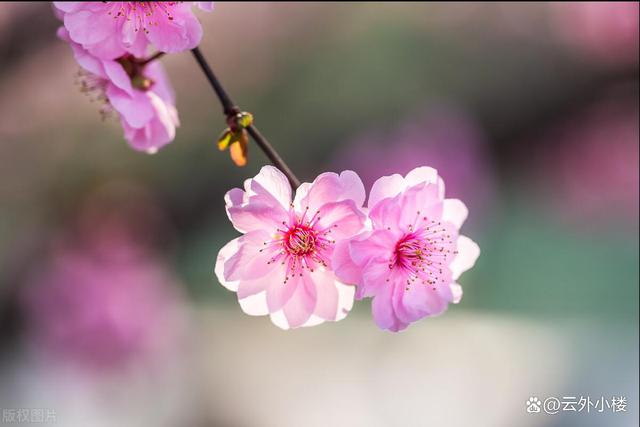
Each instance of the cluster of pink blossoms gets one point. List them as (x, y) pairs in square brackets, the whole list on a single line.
[(111, 41), (303, 261)]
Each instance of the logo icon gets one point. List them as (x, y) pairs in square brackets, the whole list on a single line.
[(533, 405)]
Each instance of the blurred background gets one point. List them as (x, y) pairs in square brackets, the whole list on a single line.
[(110, 313)]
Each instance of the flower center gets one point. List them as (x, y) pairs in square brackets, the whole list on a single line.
[(300, 240), (411, 250), (422, 254), (302, 244)]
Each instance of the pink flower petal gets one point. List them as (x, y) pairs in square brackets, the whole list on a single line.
[(182, 32), (419, 205), (326, 294), (68, 6), (252, 260), (421, 175), (382, 311), (136, 110), (88, 28), (272, 183), (155, 71), (330, 186), (115, 72), (302, 303), (225, 253), (249, 287), (255, 305), (380, 244), (454, 211), (257, 215), (344, 267), (279, 293), (375, 275), (234, 197), (344, 219), (346, 295), (385, 187), (468, 253), (456, 293), (107, 49)]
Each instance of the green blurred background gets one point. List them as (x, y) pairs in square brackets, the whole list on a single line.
[(530, 113)]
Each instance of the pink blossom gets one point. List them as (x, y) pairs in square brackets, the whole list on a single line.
[(142, 97), (109, 30), (411, 258), (95, 308), (281, 265)]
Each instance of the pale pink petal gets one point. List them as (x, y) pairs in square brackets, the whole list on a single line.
[(302, 303), (159, 131), (468, 252), (344, 219), (88, 28), (301, 194), (161, 86), (454, 211), (252, 294), (313, 320), (68, 6), (343, 266), (257, 215), (326, 294), (421, 175), (346, 294), (278, 293), (255, 305), (427, 175), (385, 187), (87, 61), (108, 49), (139, 47), (234, 197), (385, 215), (182, 32), (118, 76), (225, 253), (252, 260), (279, 296), (270, 182), (456, 293), (420, 205), (330, 186), (273, 277), (382, 311), (418, 301), (375, 275), (136, 110), (380, 244), (279, 319)]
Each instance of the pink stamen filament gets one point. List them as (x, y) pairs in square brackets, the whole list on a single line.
[(301, 244)]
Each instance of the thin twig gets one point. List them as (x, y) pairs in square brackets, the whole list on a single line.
[(230, 109)]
